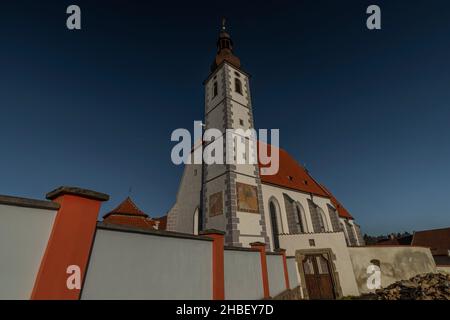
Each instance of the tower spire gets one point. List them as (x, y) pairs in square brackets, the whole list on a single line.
[(225, 49)]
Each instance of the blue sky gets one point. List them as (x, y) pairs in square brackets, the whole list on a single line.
[(367, 112)]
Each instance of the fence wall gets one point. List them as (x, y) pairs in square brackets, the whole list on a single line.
[(48, 246), (24, 232), (130, 265), (243, 277), (275, 270), (293, 272), (396, 263)]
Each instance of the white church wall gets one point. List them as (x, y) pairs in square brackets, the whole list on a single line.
[(243, 278), (240, 112), (330, 240), (24, 233), (181, 216), (215, 117), (275, 270), (130, 265), (277, 192), (294, 276)]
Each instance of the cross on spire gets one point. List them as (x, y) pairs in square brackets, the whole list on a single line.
[(223, 23)]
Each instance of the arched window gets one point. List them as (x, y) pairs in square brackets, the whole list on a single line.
[(345, 233), (300, 218), (350, 233), (237, 85), (274, 212), (322, 220), (215, 89)]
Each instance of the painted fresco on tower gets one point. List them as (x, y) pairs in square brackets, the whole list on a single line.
[(247, 197), (216, 204)]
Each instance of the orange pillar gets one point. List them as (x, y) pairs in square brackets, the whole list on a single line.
[(218, 272), (261, 247), (69, 243), (286, 274)]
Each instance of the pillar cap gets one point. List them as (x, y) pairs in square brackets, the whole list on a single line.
[(257, 244), (212, 231), (84, 193), (280, 250)]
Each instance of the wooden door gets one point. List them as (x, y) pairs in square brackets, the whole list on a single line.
[(318, 277)]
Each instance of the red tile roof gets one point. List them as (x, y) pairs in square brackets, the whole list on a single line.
[(134, 221), (127, 213), (290, 174), (294, 176), (437, 240), (127, 207)]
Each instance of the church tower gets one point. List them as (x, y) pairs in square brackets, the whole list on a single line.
[(231, 193)]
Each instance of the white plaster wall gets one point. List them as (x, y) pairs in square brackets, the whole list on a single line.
[(294, 276), (334, 241), (275, 270), (243, 278), (215, 116), (396, 263), (181, 215), (125, 265), (240, 112), (24, 233)]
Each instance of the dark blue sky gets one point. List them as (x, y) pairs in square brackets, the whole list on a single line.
[(367, 112)]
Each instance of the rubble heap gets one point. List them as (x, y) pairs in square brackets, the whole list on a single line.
[(431, 286)]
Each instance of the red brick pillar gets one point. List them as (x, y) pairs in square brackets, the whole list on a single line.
[(69, 243), (261, 247), (218, 272), (286, 274)]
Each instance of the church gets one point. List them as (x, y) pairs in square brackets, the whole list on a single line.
[(238, 199)]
